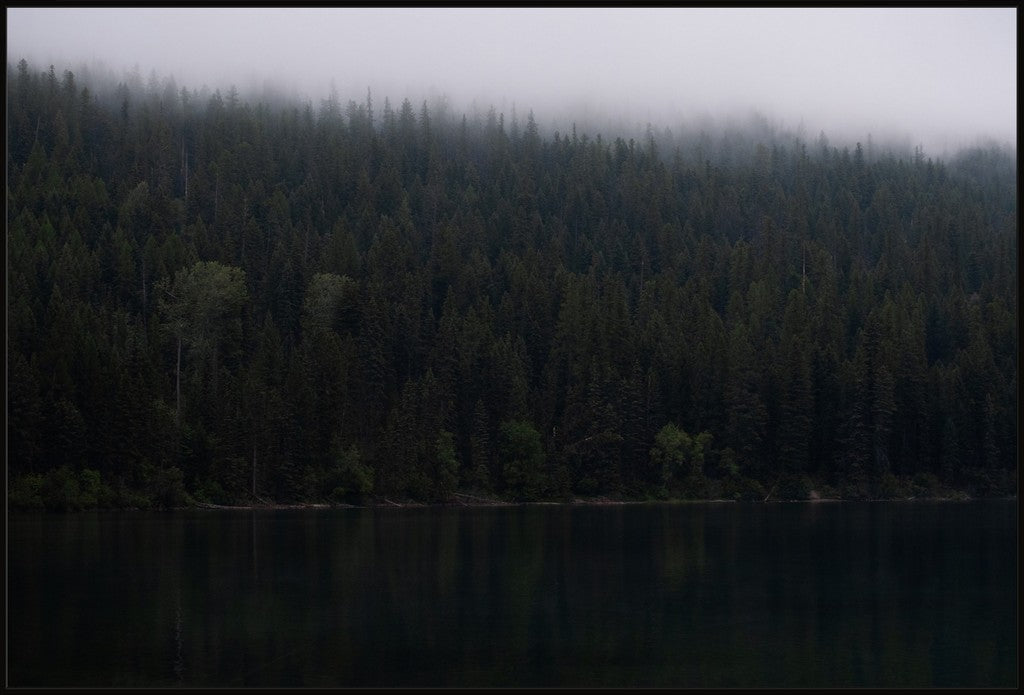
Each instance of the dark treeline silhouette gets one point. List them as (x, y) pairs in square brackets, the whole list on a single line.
[(225, 300)]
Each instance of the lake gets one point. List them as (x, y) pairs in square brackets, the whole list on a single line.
[(905, 594)]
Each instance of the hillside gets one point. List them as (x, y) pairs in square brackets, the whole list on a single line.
[(218, 299)]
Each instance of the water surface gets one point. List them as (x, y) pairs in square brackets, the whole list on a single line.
[(919, 594)]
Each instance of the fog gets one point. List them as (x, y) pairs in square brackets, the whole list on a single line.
[(941, 78)]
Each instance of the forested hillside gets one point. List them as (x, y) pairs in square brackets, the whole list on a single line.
[(222, 299)]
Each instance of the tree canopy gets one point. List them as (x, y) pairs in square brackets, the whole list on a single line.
[(222, 299)]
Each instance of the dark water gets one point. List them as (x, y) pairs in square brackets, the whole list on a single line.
[(748, 595)]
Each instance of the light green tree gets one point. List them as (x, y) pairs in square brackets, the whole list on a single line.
[(201, 308), (678, 455)]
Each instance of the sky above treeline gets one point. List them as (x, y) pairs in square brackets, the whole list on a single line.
[(940, 77)]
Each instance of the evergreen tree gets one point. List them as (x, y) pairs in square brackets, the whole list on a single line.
[(242, 299)]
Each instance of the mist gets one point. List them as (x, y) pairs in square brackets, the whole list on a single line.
[(936, 78)]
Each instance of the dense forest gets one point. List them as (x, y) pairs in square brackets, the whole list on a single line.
[(221, 299)]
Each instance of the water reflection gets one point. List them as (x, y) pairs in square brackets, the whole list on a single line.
[(730, 595)]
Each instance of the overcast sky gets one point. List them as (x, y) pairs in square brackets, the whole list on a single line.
[(940, 76)]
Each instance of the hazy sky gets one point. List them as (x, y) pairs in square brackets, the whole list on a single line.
[(941, 76)]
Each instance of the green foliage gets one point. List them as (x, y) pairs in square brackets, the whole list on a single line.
[(210, 492), (350, 480), (741, 488), (201, 299), (226, 305), (727, 464), (521, 454), (201, 309), (680, 457), (26, 492), (62, 489), (792, 487), (695, 486), (447, 464), (326, 301), (668, 455), (95, 493), (165, 487), (856, 488), (478, 477), (891, 487)]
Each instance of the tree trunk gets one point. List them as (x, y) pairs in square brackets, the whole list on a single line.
[(177, 387)]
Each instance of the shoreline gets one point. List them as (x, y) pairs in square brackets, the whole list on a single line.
[(378, 504), (465, 500), (575, 502)]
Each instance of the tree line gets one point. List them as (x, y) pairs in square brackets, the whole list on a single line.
[(220, 299)]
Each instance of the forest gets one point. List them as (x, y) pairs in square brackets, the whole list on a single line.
[(222, 299)]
